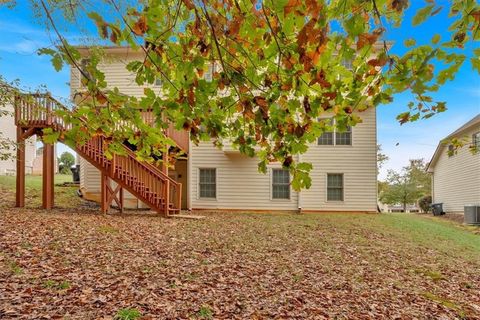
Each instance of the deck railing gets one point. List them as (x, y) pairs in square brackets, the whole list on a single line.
[(142, 179)]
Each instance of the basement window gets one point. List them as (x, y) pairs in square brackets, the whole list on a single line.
[(208, 183), (280, 184), (335, 187)]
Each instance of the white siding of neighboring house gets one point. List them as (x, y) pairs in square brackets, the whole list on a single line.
[(8, 131), (241, 186), (456, 179)]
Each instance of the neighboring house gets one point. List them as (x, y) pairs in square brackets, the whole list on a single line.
[(8, 130), (38, 161), (456, 178), (344, 177)]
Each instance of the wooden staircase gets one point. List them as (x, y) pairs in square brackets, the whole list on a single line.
[(148, 183)]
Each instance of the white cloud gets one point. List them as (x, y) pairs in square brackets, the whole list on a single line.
[(22, 47)]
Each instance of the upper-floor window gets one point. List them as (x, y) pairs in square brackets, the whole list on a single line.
[(451, 149), (158, 82), (335, 136), (85, 74), (208, 75), (476, 141), (347, 63), (280, 184)]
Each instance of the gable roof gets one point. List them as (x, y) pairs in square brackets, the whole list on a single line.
[(469, 124)]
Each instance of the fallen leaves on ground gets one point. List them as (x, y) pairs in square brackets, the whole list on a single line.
[(68, 264)]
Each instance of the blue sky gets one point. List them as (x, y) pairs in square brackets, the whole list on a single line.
[(22, 36)]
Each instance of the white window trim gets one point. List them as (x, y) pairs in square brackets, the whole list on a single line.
[(198, 184), (343, 188), (334, 137), (289, 199)]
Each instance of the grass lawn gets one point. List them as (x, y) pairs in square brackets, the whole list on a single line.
[(64, 196), (69, 264)]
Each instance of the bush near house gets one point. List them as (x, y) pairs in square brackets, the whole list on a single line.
[(424, 203)]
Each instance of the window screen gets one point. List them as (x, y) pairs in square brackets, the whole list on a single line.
[(280, 184), (326, 139), (344, 138), (334, 187), (208, 183), (476, 141)]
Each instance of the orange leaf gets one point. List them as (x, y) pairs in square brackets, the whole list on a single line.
[(140, 27)]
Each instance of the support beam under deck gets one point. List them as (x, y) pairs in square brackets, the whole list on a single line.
[(48, 176), (20, 191)]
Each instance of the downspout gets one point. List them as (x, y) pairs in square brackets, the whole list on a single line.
[(299, 198), (189, 175)]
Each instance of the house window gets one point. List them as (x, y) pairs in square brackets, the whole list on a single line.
[(208, 76), (158, 82), (451, 149), (344, 138), (336, 137), (208, 183), (476, 140), (348, 63), (335, 187), (85, 74), (280, 184)]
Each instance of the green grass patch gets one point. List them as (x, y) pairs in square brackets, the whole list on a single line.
[(127, 314), (444, 302), (56, 285), (205, 312), (32, 182)]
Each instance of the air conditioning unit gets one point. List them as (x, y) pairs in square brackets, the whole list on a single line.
[(472, 214)]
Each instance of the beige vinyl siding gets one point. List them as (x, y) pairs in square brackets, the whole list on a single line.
[(456, 179), (116, 75), (357, 163), (239, 184)]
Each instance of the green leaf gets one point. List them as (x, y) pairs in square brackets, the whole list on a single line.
[(436, 38), (476, 63), (410, 43), (422, 15), (57, 62)]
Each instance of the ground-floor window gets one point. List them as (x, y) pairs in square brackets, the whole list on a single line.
[(280, 184), (334, 187), (208, 182)]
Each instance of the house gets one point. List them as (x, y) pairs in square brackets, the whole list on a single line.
[(456, 177), (344, 177), (8, 132)]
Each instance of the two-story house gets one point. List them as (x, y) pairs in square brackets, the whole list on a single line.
[(344, 176), (456, 177)]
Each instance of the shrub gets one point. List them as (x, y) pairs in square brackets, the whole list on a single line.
[(424, 203), (127, 314)]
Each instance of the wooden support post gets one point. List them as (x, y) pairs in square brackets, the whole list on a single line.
[(20, 191), (121, 200), (109, 195), (48, 175), (104, 205)]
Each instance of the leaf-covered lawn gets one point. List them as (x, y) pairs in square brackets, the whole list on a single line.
[(69, 264)]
